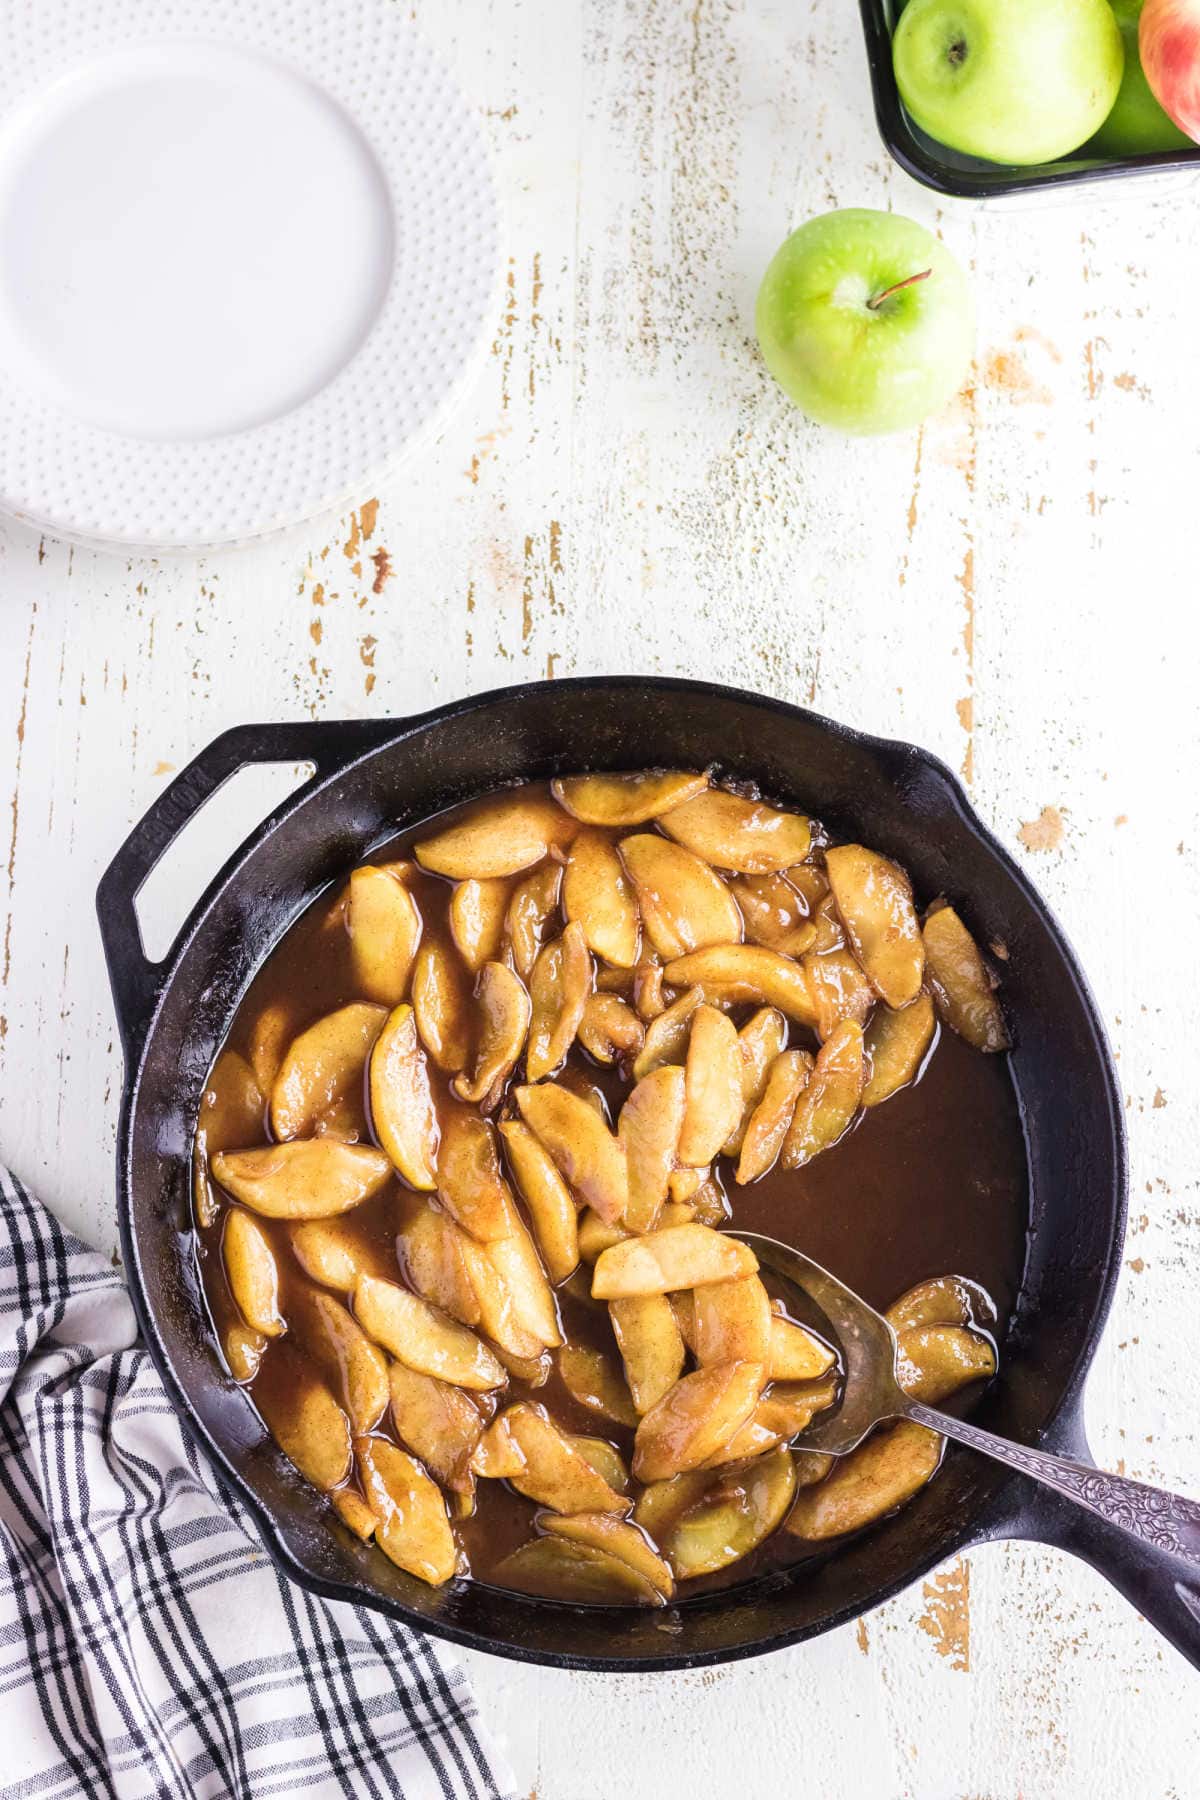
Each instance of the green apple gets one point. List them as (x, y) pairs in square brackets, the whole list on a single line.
[(865, 320), (1012, 81), (1137, 124)]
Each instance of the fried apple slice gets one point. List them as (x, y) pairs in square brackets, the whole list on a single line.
[(252, 1272), (683, 903), (333, 1255), (534, 903), (874, 898), (517, 1263), (760, 1041), (684, 1256), (439, 1423), (934, 1361), (433, 1254), (662, 1503), (323, 1068), (897, 1044), (304, 1418), (781, 1414), (412, 1527), (610, 1029), (594, 1378), (310, 1178), (648, 998), (423, 1338), (595, 1236), (231, 1114), (796, 1354), (504, 1024), (621, 800), (355, 1368), (738, 1513), (731, 1322), (559, 988), (685, 1184), (604, 1459), (881, 1474), (774, 914), (942, 1300), (695, 1418), (746, 836), (552, 1568), (270, 1035), (499, 836), (587, 1155), (747, 973), (555, 1474), (549, 1200), (403, 1114), (384, 927), (667, 1034), (772, 1117), (839, 990), (828, 926), (517, 1346), (616, 1537), (712, 1086), (651, 1348), (961, 983), (828, 1104), (649, 1128), (497, 1456), (470, 1185), (597, 893), (354, 1512), (443, 1002), (243, 1346), (477, 915)]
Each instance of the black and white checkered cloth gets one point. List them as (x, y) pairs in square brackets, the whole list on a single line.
[(148, 1646)]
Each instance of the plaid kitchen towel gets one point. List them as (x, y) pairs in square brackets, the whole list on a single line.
[(148, 1646)]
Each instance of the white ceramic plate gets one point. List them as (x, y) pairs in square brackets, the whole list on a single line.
[(249, 255)]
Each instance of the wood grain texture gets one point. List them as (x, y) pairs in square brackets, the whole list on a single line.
[(626, 490)]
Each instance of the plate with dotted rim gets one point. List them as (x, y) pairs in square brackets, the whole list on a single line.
[(249, 259)]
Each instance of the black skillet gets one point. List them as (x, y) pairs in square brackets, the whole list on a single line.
[(375, 776)]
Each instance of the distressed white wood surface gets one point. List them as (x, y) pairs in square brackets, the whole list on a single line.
[(626, 491)]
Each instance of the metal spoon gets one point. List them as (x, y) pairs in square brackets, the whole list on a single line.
[(872, 1393)]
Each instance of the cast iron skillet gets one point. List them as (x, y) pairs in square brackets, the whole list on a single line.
[(374, 776)]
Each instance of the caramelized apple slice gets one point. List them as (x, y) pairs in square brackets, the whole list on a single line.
[(270, 1036), (961, 984), (533, 905), (323, 1068), (610, 1029), (606, 1461), (713, 1087), (304, 1418), (622, 800), (874, 898), (433, 1254), (231, 1114), (597, 893), (760, 1041), (587, 1155), (774, 914), (897, 1044), (684, 904), (332, 1254), (504, 1024), (470, 1185), (769, 1123), (738, 1513), (881, 1474), (796, 1354), (942, 1300), (443, 1003), (559, 989), (839, 990), (649, 1128), (412, 1527), (384, 928), (616, 1537), (499, 836), (252, 1272), (747, 973), (477, 916), (695, 1418), (558, 1570), (594, 1378), (555, 1474), (595, 1236), (934, 1361), (354, 1512), (784, 1411), (830, 1100), (402, 1109), (684, 1256), (731, 1322), (439, 1423), (662, 1503), (243, 1347), (311, 1178), (497, 1456), (517, 1263), (354, 1367), (650, 1345), (746, 836), (548, 1198), (518, 1347), (667, 1034), (708, 1203), (423, 1338)]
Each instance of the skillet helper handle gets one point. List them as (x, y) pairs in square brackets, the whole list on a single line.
[(1143, 1539), (137, 981)]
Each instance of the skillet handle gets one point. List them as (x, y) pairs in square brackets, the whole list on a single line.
[(137, 981), (1143, 1539)]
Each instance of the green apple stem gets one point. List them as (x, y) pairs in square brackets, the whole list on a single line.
[(909, 281)]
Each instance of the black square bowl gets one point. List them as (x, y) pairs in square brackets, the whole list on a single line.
[(968, 177)]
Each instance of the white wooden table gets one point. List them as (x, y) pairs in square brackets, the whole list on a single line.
[(1015, 587)]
